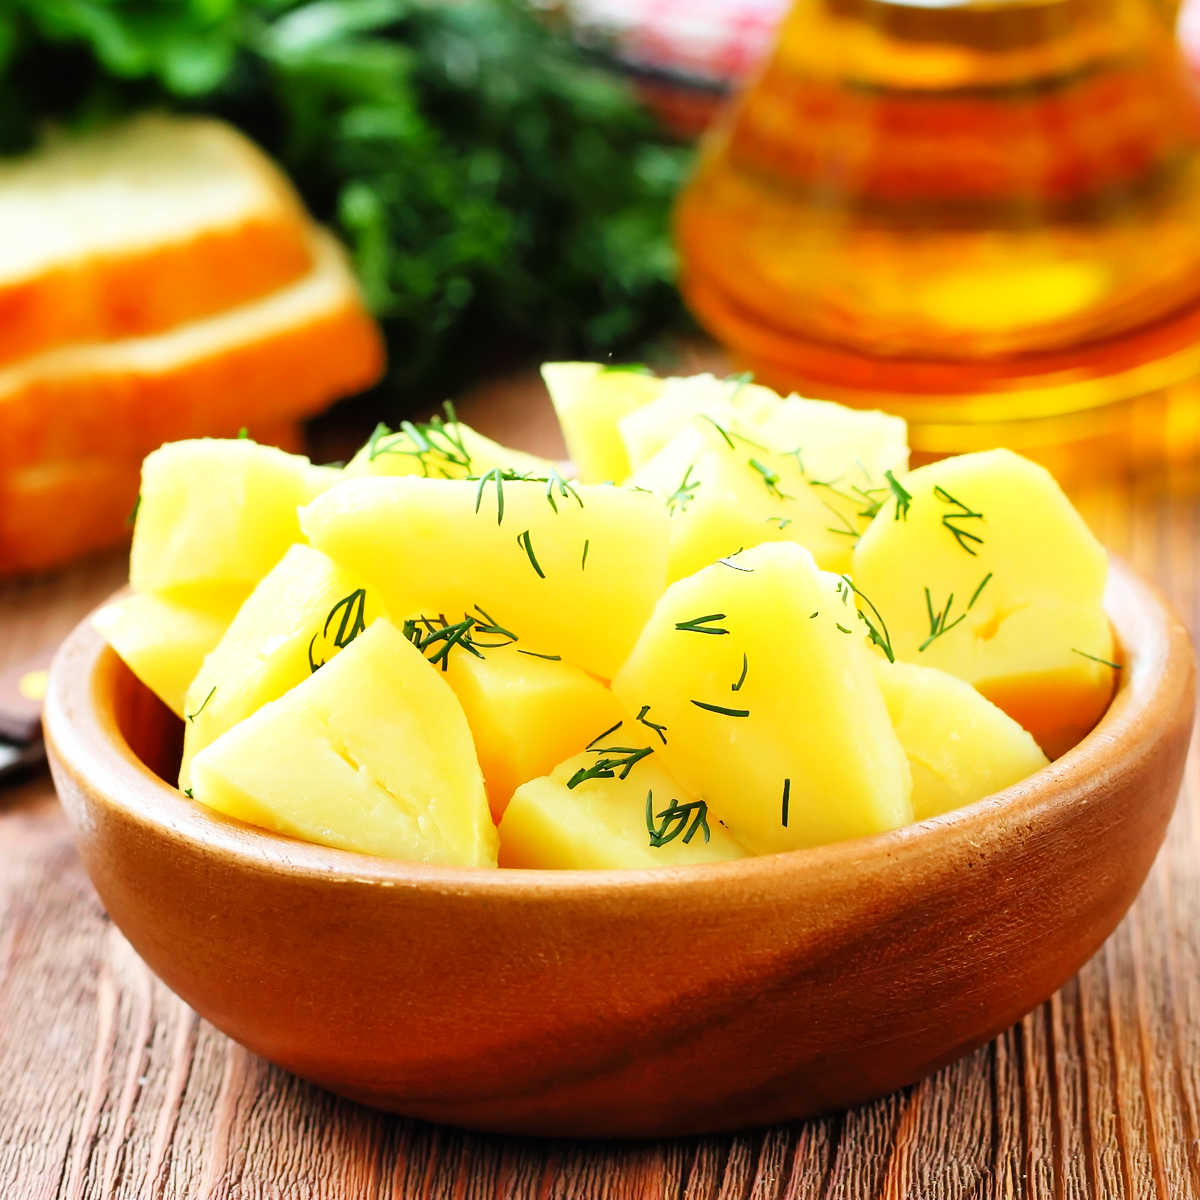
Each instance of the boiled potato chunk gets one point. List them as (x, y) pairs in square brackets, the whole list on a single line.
[(577, 578), (989, 573), (526, 713), (770, 702), (736, 403), (602, 823), (443, 448), (849, 447), (724, 495), (372, 753), (960, 747), (590, 399), (163, 641), (217, 513), (302, 613)]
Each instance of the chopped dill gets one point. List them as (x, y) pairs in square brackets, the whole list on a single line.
[(979, 590), (770, 479), (721, 709), (877, 629), (659, 729), (787, 792), (727, 562), (566, 490), (741, 380), (737, 687), (703, 624), (189, 793), (781, 522), (635, 368), (676, 819), (903, 497), (133, 512), (964, 537), (496, 476), (1104, 662), (443, 636), (489, 628), (601, 736), (526, 544), (683, 495), (440, 438), (587, 545), (212, 691), (939, 619), (547, 657), (352, 622), (612, 762), (719, 428), (848, 528)]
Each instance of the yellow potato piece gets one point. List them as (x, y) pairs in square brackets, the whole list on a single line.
[(846, 447), (734, 402), (779, 723), (372, 753), (444, 448), (164, 641), (724, 494), (991, 575), (960, 747), (602, 823), (577, 579), (757, 468), (218, 513), (301, 614), (841, 447), (590, 399), (526, 713)]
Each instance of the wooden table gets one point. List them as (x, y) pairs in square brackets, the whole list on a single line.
[(111, 1087)]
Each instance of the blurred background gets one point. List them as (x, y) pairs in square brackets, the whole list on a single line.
[(985, 217)]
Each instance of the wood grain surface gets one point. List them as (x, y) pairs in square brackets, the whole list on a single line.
[(110, 1087)]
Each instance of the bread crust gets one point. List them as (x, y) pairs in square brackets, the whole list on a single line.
[(122, 401), (145, 288)]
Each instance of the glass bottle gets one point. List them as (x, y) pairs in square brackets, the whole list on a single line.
[(972, 212)]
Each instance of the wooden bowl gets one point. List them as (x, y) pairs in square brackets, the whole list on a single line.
[(601, 1003)]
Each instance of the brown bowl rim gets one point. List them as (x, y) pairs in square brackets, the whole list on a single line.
[(83, 740)]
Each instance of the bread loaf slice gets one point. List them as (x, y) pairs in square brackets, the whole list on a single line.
[(138, 228), (52, 513), (279, 358)]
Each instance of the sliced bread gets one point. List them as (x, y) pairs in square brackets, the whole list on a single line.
[(139, 228), (279, 358)]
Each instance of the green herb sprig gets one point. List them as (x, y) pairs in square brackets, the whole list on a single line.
[(525, 541), (683, 495), (644, 718), (676, 820), (612, 762), (953, 521), (703, 625), (721, 709), (1104, 662), (350, 614), (877, 629), (939, 619), (211, 692)]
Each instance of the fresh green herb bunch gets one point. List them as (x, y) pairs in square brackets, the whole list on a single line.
[(495, 188)]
